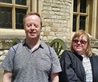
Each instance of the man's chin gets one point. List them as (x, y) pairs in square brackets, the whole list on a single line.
[(33, 36)]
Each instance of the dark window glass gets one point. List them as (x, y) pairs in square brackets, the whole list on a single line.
[(21, 2), (5, 17), (74, 22), (19, 18), (6, 1), (75, 5), (82, 22), (83, 6)]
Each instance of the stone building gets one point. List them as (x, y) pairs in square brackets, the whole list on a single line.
[(61, 18), (55, 17)]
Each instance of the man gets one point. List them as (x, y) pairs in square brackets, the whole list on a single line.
[(31, 60)]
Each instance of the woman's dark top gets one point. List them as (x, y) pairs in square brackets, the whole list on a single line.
[(72, 68)]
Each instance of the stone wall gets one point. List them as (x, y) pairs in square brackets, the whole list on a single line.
[(2, 55), (56, 16)]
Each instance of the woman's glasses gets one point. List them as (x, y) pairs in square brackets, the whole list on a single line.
[(81, 41)]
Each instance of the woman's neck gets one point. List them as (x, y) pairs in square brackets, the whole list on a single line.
[(81, 53)]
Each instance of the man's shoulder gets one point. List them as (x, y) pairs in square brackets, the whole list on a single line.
[(48, 49), (16, 46), (45, 45)]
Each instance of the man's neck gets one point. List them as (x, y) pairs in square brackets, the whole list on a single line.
[(32, 42)]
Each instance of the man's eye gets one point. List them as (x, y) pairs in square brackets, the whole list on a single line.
[(35, 25), (28, 25)]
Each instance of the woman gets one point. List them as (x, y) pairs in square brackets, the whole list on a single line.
[(79, 64)]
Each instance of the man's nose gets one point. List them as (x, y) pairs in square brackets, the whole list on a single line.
[(32, 26)]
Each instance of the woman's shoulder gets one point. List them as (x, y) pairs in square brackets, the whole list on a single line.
[(67, 53), (94, 59), (95, 56)]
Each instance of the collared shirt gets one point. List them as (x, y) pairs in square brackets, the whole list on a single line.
[(28, 66), (36, 46)]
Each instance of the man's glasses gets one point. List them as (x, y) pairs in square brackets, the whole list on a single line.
[(81, 41)]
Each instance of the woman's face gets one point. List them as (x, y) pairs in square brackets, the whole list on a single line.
[(79, 44)]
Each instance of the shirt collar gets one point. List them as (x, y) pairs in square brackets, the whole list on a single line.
[(40, 44)]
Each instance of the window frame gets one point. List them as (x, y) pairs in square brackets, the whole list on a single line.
[(13, 32), (78, 14), (14, 6), (86, 14), (92, 20)]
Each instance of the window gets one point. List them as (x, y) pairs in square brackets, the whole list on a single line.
[(11, 17), (82, 15), (12, 13), (5, 17)]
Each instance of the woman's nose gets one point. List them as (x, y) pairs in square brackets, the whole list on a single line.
[(79, 42)]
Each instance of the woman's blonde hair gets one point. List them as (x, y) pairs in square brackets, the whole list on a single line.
[(77, 35)]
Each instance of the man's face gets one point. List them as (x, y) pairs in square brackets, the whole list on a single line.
[(32, 26)]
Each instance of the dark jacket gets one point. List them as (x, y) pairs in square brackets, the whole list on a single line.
[(72, 68)]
